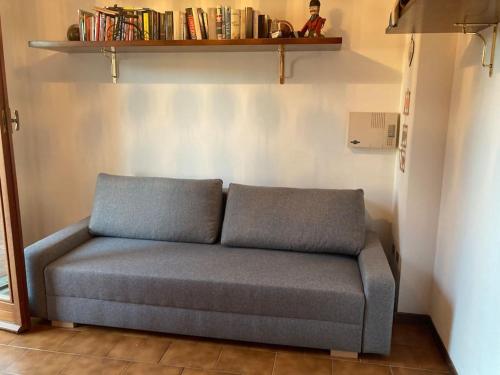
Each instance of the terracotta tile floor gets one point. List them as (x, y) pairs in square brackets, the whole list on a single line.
[(94, 350)]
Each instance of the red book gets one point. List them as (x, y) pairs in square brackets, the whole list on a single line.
[(190, 21), (97, 26)]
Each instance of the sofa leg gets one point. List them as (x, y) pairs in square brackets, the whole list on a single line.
[(343, 355), (59, 324)]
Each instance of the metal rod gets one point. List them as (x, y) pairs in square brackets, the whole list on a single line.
[(282, 63)]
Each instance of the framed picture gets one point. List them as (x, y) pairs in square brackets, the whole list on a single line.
[(406, 109), (402, 149)]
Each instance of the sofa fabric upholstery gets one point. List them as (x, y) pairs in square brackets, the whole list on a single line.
[(39, 255), (212, 278), (379, 290), (308, 220), (243, 327), (160, 209)]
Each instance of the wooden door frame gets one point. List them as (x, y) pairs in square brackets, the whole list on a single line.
[(15, 312)]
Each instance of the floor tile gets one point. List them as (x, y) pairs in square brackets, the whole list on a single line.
[(90, 343), (431, 358), (151, 369), (415, 335), (406, 371), (36, 362), (246, 361), (8, 355), (350, 368), (42, 337), (188, 371), (301, 364), (6, 337), (401, 355), (94, 366), (139, 349), (192, 354)]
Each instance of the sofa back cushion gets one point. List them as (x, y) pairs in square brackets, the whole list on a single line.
[(309, 220), (160, 209)]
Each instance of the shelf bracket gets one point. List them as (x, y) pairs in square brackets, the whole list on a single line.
[(491, 65), (281, 51), (112, 55)]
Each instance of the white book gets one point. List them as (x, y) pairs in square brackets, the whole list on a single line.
[(235, 23), (178, 25), (256, 15)]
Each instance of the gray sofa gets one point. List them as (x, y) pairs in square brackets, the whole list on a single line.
[(272, 265)]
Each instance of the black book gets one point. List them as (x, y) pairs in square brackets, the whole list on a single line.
[(204, 33), (249, 22), (169, 25), (262, 26), (163, 26)]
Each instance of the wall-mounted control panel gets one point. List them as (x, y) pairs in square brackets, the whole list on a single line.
[(374, 131)]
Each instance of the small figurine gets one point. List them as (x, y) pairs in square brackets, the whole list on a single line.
[(313, 27)]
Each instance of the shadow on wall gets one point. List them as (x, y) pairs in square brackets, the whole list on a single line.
[(215, 68)]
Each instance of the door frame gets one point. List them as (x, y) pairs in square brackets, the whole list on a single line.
[(14, 314)]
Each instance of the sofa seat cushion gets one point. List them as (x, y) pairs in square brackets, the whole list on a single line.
[(211, 278)]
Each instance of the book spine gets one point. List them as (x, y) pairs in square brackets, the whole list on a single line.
[(190, 23), (145, 22), (256, 15), (205, 24), (170, 25), (243, 25), (176, 25), (235, 23), (227, 21), (223, 12), (201, 21), (212, 24), (249, 22), (163, 26), (262, 27), (185, 27), (219, 23)]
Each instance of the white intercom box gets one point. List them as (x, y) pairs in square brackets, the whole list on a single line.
[(375, 131)]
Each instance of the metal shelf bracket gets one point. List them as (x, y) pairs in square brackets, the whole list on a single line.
[(112, 55), (281, 51), (465, 27)]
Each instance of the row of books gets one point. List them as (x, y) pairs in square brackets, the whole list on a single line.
[(222, 22)]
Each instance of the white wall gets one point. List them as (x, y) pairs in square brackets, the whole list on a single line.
[(466, 297), (197, 115), (418, 190)]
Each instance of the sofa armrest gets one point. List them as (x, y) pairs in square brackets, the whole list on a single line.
[(379, 288), (39, 255)]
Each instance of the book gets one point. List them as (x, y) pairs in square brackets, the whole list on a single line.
[(185, 26), (227, 21), (212, 24), (197, 25), (243, 24), (262, 27), (191, 25), (178, 25), (169, 25), (235, 23), (256, 15), (219, 22), (201, 21), (205, 24), (223, 10), (145, 22), (163, 26), (249, 22)]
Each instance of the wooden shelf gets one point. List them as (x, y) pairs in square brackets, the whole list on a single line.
[(440, 16), (113, 48), (243, 45)]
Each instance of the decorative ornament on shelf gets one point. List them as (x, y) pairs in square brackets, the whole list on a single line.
[(411, 51), (313, 27), (73, 33), (282, 29)]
